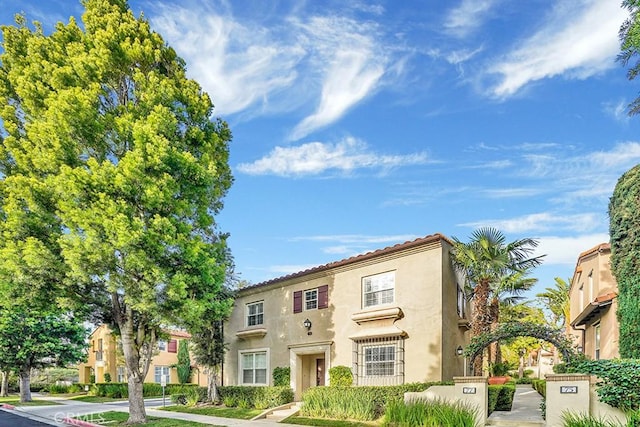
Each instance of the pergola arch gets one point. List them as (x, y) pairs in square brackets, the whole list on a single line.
[(521, 329)]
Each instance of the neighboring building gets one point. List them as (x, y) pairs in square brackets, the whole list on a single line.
[(105, 356), (396, 315), (593, 305)]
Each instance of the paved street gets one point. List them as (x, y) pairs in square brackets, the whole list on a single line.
[(10, 419)]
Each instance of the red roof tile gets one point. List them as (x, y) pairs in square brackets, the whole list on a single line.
[(357, 258)]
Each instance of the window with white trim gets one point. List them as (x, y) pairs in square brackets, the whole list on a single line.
[(378, 289), (121, 374), (255, 313), (311, 299), (379, 361), (254, 368), (596, 327), (162, 345), (462, 301), (159, 371)]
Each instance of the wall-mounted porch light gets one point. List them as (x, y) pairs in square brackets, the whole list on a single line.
[(459, 351), (307, 324)]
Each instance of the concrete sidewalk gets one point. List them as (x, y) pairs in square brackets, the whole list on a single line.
[(525, 411), (55, 414)]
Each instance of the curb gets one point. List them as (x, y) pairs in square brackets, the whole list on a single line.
[(74, 422)]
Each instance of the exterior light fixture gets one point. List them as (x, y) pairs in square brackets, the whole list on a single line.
[(459, 351), (307, 324)]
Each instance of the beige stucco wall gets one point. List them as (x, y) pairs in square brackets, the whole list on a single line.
[(109, 364), (425, 295), (598, 265)]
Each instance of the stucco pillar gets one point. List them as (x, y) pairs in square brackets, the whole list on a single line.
[(474, 392), (566, 392)]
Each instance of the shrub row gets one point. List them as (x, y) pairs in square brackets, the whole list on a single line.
[(501, 397), (254, 397), (121, 390), (358, 403)]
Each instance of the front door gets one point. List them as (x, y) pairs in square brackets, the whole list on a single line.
[(319, 371)]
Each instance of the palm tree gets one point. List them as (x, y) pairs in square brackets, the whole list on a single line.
[(485, 261), (557, 301), (507, 293)]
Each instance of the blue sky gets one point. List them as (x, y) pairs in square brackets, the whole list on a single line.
[(362, 124)]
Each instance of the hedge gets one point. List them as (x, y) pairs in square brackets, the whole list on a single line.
[(121, 390)]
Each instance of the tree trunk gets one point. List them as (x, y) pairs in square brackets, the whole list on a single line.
[(4, 390), (212, 387), (25, 385), (137, 412), (481, 319)]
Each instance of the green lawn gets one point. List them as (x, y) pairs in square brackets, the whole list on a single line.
[(114, 418), (216, 411), (14, 400), (304, 421)]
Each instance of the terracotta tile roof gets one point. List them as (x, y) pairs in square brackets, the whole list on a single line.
[(597, 248), (179, 334), (357, 258), (606, 297)]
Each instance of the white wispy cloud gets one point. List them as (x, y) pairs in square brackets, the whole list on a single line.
[(351, 65), (314, 158), (565, 250), (617, 110), (544, 221), (579, 39), (506, 193), (467, 17), (238, 65)]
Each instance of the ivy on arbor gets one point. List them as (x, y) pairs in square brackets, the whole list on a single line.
[(521, 329)]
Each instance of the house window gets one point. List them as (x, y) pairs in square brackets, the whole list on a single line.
[(255, 313), (379, 361), (311, 299), (581, 296), (596, 356), (121, 374), (99, 353), (254, 367), (159, 371), (162, 345), (591, 286), (461, 302), (378, 289)]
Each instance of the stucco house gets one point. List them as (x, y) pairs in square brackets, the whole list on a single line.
[(395, 315), (593, 303), (103, 357)]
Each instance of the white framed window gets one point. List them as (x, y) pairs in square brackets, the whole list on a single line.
[(379, 361), (378, 289), (254, 366), (159, 371), (462, 300), (162, 345), (311, 299), (255, 313), (596, 331), (121, 372)]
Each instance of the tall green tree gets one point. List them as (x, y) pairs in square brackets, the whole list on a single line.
[(556, 300), (630, 46), (183, 367), (624, 223), (32, 339), (107, 140), (485, 260)]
